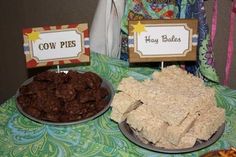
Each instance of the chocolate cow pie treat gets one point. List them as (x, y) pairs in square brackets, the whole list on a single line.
[(61, 97)]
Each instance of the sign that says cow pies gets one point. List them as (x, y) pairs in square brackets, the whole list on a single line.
[(162, 40), (56, 45)]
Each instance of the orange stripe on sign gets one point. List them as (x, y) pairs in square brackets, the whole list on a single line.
[(49, 63), (46, 27), (75, 61), (87, 51), (58, 27), (27, 31), (31, 63), (72, 25), (61, 62), (86, 33)]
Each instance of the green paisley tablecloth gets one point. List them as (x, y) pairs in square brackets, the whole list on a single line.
[(101, 137)]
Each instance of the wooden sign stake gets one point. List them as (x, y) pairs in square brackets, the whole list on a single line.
[(162, 65), (58, 68)]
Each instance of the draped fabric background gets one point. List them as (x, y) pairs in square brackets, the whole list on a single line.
[(105, 30), (222, 38)]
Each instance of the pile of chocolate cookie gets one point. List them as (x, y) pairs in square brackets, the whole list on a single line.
[(63, 97)]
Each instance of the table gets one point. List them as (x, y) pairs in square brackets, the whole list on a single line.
[(100, 137)]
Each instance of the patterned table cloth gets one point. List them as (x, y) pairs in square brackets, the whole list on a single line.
[(100, 137)]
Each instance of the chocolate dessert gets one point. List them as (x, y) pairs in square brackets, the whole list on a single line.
[(61, 97)]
